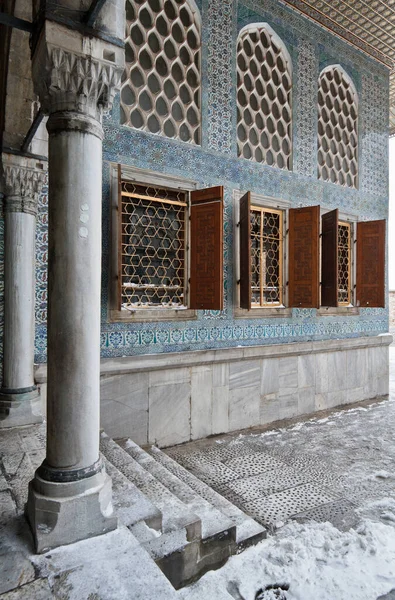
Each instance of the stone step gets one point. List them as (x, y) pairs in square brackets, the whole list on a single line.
[(175, 515), (248, 531), (214, 522), (130, 504), (162, 545)]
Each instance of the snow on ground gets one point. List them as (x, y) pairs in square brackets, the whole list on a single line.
[(316, 561)]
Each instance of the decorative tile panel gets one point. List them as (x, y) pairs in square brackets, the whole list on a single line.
[(374, 119), (215, 163), (42, 257), (305, 111), (220, 77)]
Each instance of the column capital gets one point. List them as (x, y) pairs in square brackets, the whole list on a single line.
[(72, 73), (23, 180)]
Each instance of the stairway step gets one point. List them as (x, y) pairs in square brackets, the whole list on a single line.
[(214, 522), (175, 515), (130, 504), (248, 531), (162, 545)]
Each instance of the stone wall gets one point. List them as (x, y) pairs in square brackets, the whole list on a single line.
[(170, 399), (392, 308)]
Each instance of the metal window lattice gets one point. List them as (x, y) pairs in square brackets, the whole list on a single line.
[(344, 263), (337, 128), (152, 246), (266, 257), (264, 86), (161, 83)]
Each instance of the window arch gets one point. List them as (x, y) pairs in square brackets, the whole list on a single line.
[(264, 87), (337, 127), (161, 84)]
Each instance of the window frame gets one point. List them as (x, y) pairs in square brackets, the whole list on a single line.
[(196, 11), (342, 309), (145, 314), (256, 28), (277, 205), (350, 228), (350, 81)]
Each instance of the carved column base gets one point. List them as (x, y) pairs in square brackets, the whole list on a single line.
[(64, 513), (20, 407)]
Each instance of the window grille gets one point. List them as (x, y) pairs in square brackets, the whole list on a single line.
[(337, 128), (264, 83), (344, 264), (266, 257), (161, 84), (152, 246)]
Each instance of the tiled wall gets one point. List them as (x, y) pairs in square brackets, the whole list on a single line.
[(216, 162)]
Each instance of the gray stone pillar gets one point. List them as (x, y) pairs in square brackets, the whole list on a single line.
[(19, 398), (70, 496)]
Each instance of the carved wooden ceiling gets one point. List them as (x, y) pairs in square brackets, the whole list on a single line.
[(367, 24)]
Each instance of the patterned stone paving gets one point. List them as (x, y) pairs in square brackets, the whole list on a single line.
[(322, 469)]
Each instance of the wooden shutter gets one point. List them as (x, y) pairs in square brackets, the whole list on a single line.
[(206, 280), (371, 264), (329, 258), (304, 257), (245, 251), (120, 234)]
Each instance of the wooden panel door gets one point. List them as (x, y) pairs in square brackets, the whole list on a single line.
[(371, 264), (245, 251), (304, 257), (206, 281)]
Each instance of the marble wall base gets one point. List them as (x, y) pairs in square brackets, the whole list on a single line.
[(217, 391)]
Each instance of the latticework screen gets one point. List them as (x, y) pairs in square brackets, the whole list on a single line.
[(264, 85), (337, 128), (344, 263), (266, 257), (152, 252), (161, 84)]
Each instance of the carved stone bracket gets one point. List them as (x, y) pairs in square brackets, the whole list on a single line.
[(73, 74), (22, 185)]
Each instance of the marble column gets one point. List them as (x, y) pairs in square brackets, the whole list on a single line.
[(70, 496), (19, 398)]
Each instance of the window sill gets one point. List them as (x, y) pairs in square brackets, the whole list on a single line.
[(142, 315), (262, 313), (331, 311)]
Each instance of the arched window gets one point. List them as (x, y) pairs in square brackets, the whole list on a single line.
[(264, 84), (161, 85), (337, 127)]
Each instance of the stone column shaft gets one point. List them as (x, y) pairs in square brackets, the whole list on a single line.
[(70, 496), (74, 282), (18, 302), (19, 403)]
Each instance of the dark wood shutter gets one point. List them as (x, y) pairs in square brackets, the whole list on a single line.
[(371, 264), (329, 258), (245, 251), (207, 280), (304, 257), (120, 234)]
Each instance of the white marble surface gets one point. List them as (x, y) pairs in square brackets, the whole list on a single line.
[(124, 406), (201, 402), (169, 414), (173, 405), (244, 407)]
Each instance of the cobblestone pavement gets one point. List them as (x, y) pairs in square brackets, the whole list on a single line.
[(319, 469)]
